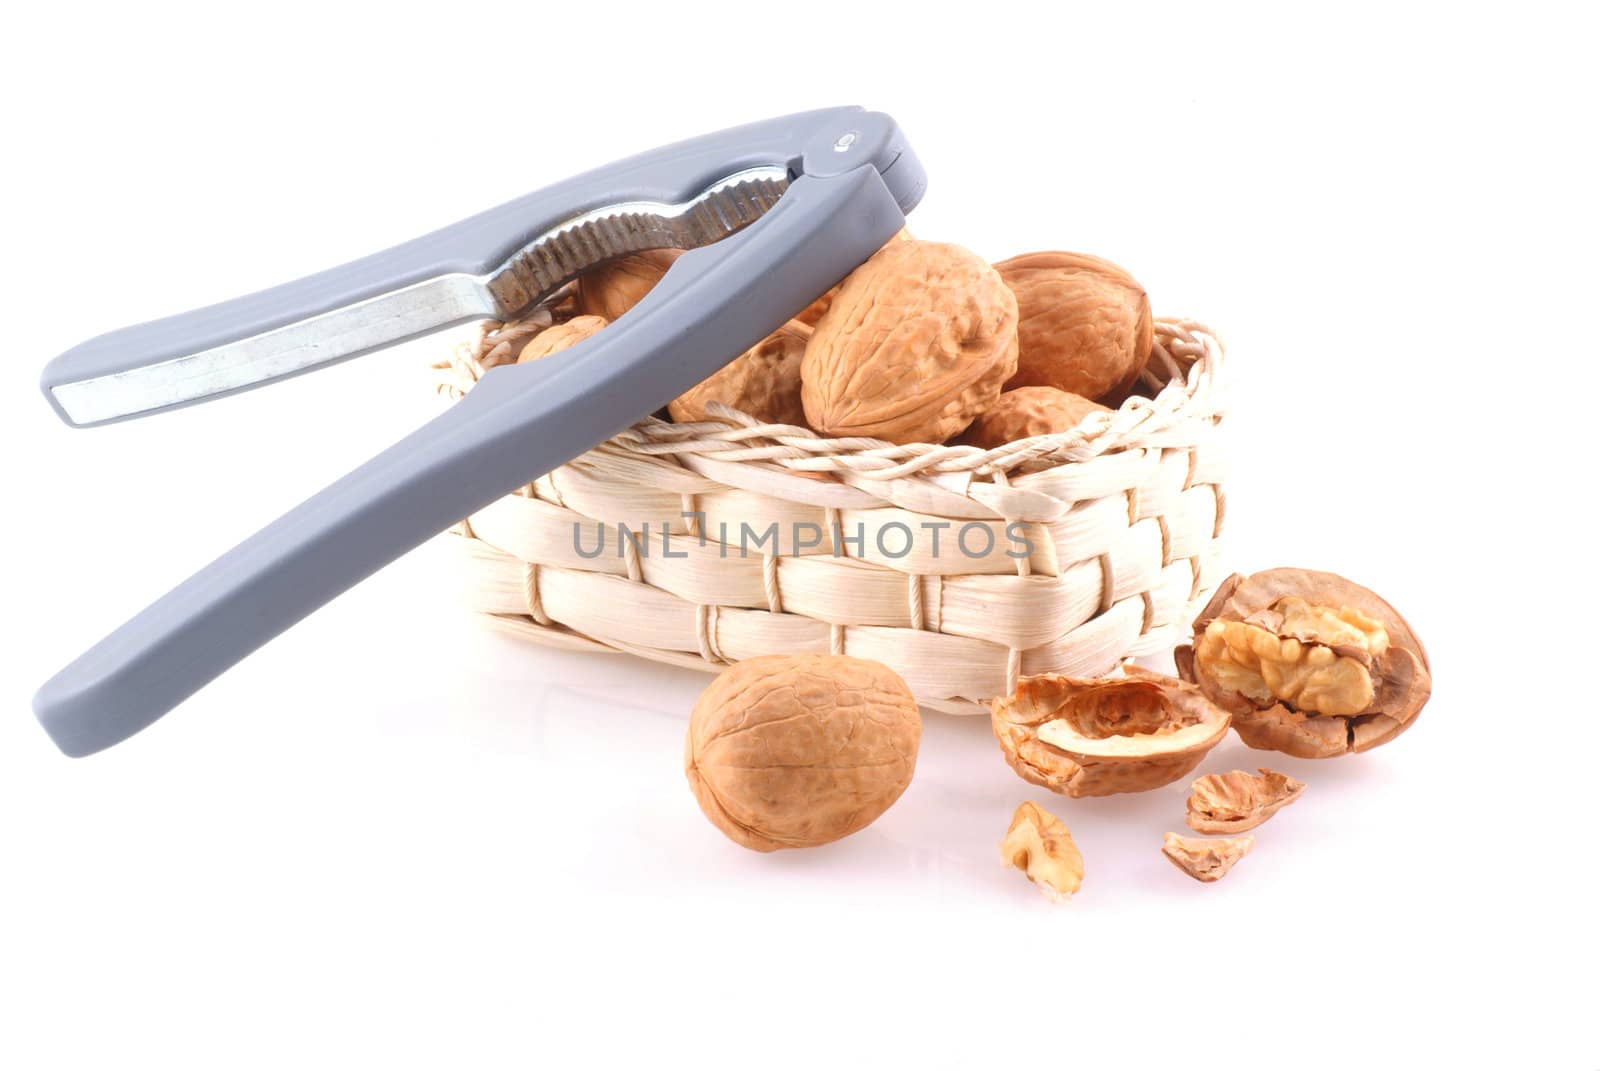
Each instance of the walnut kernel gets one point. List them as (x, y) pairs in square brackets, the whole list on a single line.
[(1040, 844)]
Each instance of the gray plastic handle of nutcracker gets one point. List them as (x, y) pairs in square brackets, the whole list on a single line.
[(488, 266), (847, 198)]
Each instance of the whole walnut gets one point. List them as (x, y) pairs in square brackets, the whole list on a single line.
[(1083, 326), (916, 344), (618, 285), (557, 338), (764, 381), (1029, 411), (792, 751)]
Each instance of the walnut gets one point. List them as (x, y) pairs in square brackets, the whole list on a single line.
[(618, 285), (913, 348), (764, 381), (1028, 411), (557, 338), (1205, 858), (1039, 844), (1097, 737), (1084, 324), (1237, 801), (1308, 663), (792, 751)]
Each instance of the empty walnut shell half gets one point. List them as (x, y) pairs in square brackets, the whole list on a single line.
[(1307, 663), (1238, 801), (1101, 736)]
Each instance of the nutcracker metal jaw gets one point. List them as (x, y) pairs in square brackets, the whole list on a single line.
[(773, 214)]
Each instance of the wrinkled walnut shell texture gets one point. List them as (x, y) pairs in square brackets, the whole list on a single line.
[(1026, 412), (559, 337), (1402, 680), (916, 344), (618, 285), (764, 381), (792, 751), (813, 312), (1099, 737), (1084, 324)]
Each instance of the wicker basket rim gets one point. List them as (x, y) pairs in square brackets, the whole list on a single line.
[(1191, 354)]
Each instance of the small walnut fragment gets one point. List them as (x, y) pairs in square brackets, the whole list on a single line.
[(1205, 859), (1308, 663), (1237, 801), (1100, 736), (763, 381), (555, 339), (1039, 844)]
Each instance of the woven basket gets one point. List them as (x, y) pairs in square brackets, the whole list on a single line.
[(781, 541)]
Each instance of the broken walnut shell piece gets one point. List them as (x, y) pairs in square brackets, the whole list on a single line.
[(1101, 736), (1040, 845), (1308, 663), (1205, 859), (1238, 801)]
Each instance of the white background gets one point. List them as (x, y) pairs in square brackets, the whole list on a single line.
[(394, 839)]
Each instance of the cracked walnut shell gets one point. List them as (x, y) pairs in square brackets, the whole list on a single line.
[(1308, 663), (1040, 845), (1097, 737), (1026, 412), (1238, 801), (914, 346), (1084, 324), (1205, 858), (792, 751), (763, 381)]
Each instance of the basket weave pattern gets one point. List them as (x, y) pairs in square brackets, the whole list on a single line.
[(703, 544)]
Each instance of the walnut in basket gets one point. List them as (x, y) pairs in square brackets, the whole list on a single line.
[(1026, 412), (560, 336), (1100, 736), (1084, 324), (618, 285), (1308, 663), (916, 344), (764, 381)]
